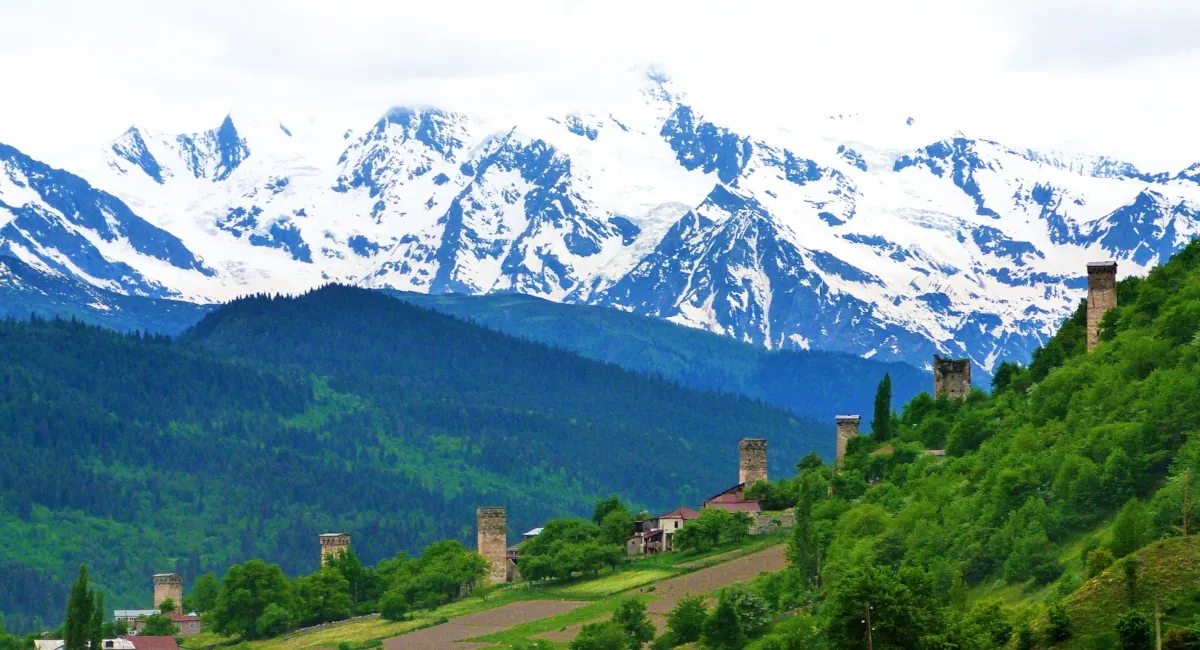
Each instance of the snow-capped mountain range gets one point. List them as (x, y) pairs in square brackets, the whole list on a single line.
[(889, 239)]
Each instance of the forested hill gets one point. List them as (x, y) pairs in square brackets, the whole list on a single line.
[(276, 419), (1072, 463), (812, 383)]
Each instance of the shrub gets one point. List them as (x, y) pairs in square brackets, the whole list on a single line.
[(1134, 631), (393, 606), (1099, 560), (1059, 627)]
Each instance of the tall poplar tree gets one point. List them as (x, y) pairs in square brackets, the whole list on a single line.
[(77, 628), (801, 550), (881, 424)]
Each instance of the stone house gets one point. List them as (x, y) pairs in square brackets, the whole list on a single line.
[(189, 624)]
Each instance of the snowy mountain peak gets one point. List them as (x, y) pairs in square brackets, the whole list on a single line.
[(213, 154), (875, 234)]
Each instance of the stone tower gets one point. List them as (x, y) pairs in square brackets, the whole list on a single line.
[(752, 466), (1102, 296), (951, 377), (333, 544), (847, 428), (492, 543), (168, 585)]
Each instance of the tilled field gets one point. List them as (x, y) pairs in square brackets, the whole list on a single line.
[(700, 582), (447, 635)]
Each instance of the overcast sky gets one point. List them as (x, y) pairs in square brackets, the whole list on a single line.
[(1109, 76)]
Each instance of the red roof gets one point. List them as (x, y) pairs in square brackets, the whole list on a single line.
[(733, 500), (738, 490), (181, 618), (685, 513), (141, 642)]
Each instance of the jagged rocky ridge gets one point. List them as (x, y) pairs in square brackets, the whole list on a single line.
[(885, 239)]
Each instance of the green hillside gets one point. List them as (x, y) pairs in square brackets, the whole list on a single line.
[(1074, 444), (811, 383), (276, 419)]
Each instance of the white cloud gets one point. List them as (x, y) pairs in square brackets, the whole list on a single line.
[(1113, 75)]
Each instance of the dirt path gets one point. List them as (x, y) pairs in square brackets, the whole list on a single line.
[(699, 582), (445, 635)]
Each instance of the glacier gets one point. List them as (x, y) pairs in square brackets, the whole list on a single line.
[(887, 238)]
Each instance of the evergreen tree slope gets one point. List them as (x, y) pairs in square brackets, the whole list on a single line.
[(812, 383), (342, 410)]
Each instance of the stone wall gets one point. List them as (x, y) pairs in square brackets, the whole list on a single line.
[(168, 585), (951, 377), (847, 428), (766, 523), (752, 466), (492, 542), (1102, 296)]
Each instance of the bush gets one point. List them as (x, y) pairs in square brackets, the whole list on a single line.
[(274, 620), (1134, 631), (600, 636), (723, 630), (1059, 627), (686, 621), (393, 606), (1099, 560), (1133, 529)]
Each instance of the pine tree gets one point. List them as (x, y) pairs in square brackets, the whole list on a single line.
[(881, 424)]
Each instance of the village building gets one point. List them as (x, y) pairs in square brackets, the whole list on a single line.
[(142, 642), (134, 619), (189, 624), (107, 644), (512, 555), (733, 500)]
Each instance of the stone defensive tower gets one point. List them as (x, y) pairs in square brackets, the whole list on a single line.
[(492, 543), (1102, 296), (951, 377), (168, 586), (333, 544), (847, 428), (752, 465)]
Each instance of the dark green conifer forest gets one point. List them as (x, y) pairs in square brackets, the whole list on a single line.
[(276, 419)]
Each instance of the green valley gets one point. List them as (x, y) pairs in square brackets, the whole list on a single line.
[(276, 419)]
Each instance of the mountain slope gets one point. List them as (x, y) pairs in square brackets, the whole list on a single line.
[(883, 238), (810, 383), (274, 420), (25, 291), (1077, 450)]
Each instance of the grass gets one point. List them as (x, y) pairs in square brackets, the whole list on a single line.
[(360, 633), (366, 632), (1169, 571), (203, 640), (370, 632), (525, 631), (1029, 593), (613, 583)]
